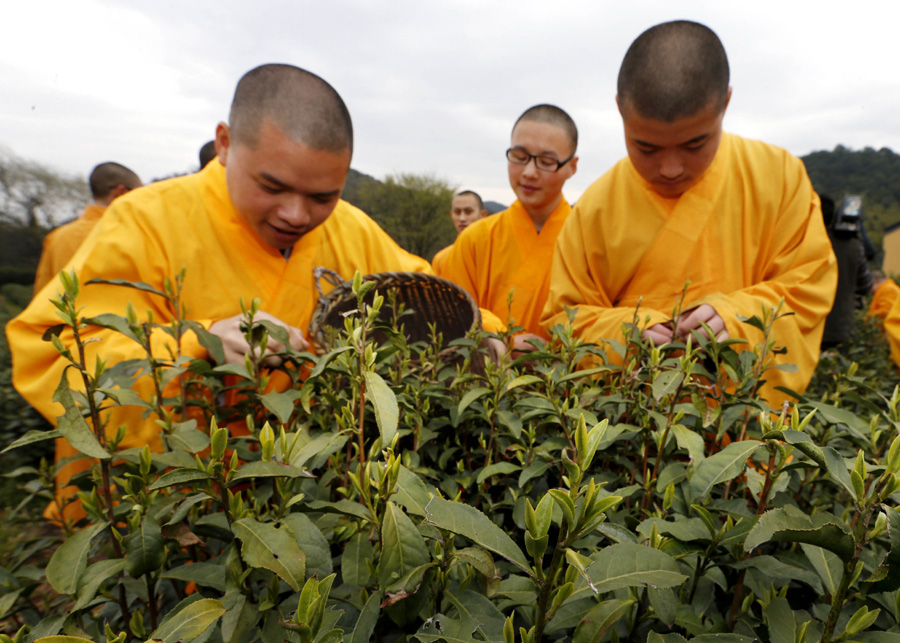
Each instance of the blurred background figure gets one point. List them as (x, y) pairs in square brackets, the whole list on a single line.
[(207, 153), (884, 294), (465, 209), (108, 181), (854, 278)]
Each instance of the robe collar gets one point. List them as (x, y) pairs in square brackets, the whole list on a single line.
[(93, 212), (523, 226)]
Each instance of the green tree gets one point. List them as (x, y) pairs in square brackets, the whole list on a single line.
[(413, 209), (34, 195), (875, 174)]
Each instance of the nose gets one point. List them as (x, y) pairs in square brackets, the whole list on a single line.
[(671, 166), (293, 211), (531, 167)]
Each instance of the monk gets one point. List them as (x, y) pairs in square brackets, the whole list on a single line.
[(737, 219), (252, 224), (504, 260), (107, 182), (465, 209), (207, 153), (884, 294)]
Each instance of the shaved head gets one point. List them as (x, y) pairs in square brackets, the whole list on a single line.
[(472, 194), (673, 71), (302, 105), (554, 116), (108, 176)]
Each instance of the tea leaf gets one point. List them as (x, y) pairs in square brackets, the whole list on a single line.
[(312, 542), (471, 396), (354, 568), (789, 524), (264, 545), (387, 413), (281, 404), (600, 618), (32, 437), (179, 477), (722, 467), (498, 468), (190, 622), (70, 560), (627, 565), (144, 548), (469, 522), (402, 547), (73, 426), (368, 618), (94, 576)]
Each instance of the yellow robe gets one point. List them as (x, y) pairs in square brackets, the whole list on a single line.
[(892, 327), (150, 234), (747, 234), (883, 299), (439, 261), (504, 254), (60, 244)]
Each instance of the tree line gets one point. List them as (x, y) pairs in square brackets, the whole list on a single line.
[(411, 207)]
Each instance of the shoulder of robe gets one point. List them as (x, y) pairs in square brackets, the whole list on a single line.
[(348, 218), (479, 233), (158, 201), (767, 157)]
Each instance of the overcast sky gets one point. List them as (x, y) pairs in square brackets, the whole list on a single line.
[(433, 86)]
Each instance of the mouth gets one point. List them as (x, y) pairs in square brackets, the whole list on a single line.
[(283, 236), (528, 189), (669, 186)]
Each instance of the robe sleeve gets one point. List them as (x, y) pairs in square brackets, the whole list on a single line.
[(461, 267), (439, 261), (37, 367), (574, 284), (892, 328), (883, 299), (798, 266), (47, 268)]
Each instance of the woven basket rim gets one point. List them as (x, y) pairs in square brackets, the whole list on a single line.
[(340, 292)]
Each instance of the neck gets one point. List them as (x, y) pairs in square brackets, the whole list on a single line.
[(539, 217)]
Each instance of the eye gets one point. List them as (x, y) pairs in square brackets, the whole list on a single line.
[(270, 189), (323, 200), (518, 156), (547, 162)]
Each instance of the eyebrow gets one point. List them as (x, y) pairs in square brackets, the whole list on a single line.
[(542, 153), (696, 139), (286, 186)]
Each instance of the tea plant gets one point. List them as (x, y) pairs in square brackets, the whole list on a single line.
[(390, 491)]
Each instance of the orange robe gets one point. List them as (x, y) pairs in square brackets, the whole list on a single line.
[(150, 234), (505, 254), (892, 327), (60, 244), (439, 261), (747, 234), (883, 299)]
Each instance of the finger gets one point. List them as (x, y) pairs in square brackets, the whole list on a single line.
[(694, 317), (272, 361), (658, 337), (298, 341)]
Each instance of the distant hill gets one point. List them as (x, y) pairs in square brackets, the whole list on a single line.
[(875, 174), (357, 185), (493, 207)]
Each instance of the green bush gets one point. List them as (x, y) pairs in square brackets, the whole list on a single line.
[(397, 494)]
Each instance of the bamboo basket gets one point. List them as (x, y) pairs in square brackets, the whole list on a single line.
[(426, 300)]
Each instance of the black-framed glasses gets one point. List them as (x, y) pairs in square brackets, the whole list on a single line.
[(543, 162)]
